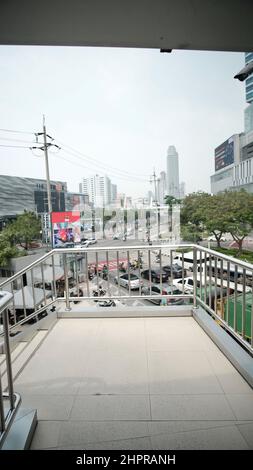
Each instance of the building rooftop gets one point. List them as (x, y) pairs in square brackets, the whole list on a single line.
[(135, 383)]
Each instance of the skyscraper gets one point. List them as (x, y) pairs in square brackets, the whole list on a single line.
[(248, 112), (249, 81), (172, 172)]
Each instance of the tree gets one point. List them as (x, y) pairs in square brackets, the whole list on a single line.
[(192, 215), (171, 200), (211, 212), (238, 214), (24, 229), (7, 251)]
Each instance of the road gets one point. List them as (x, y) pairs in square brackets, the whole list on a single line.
[(111, 287)]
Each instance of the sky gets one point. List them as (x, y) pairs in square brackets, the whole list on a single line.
[(120, 109)]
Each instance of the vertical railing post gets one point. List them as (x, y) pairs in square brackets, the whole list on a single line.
[(66, 282), (194, 277), (8, 358), (2, 420)]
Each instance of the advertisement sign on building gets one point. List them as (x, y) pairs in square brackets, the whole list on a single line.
[(224, 154), (66, 228)]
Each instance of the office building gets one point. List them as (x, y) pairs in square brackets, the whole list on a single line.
[(234, 164), (19, 194), (172, 172)]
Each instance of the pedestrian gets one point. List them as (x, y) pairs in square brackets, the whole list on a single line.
[(163, 301)]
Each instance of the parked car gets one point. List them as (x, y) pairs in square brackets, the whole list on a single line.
[(133, 281), (175, 291), (187, 282), (177, 271), (155, 275), (157, 290)]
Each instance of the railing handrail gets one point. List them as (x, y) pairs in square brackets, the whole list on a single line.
[(6, 419), (92, 249), (25, 269), (85, 250)]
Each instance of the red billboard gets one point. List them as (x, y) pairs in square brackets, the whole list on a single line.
[(66, 228)]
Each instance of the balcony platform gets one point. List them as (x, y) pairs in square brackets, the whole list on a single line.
[(135, 383)]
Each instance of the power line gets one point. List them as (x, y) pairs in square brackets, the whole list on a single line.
[(122, 176), (125, 178), (18, 140), (16, 132), (106, 166), (16, 146)]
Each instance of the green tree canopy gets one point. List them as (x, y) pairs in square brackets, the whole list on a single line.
[(237, 212), (24, 229), (231, 211), (7, 251), (171, 200)]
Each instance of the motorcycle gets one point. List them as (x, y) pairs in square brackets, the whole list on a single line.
[(107, 303), (98, 292), (122, 267)]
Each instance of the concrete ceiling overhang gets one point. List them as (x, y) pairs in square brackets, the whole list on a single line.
[(165, 24)]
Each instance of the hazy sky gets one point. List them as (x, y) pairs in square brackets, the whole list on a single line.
[(122, 107)]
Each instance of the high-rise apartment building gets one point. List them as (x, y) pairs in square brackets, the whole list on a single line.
[(98, 189), (172, 172)]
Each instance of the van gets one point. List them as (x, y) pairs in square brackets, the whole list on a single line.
[(186, 259)]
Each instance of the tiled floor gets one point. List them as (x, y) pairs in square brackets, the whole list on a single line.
[(135, 383)]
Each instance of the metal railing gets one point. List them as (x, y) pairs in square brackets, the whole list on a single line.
[(223, 287), (9, 401), (169, 275), (194, 275)]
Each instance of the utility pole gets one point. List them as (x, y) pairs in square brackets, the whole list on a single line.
[(44, 148), (153, 179), (47, 169)]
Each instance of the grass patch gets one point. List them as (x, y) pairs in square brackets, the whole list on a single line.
[(245, 255)]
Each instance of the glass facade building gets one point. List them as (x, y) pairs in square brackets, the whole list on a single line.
[(18, 194), (249, 81)]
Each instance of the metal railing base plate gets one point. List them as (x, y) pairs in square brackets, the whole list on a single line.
[(22, 430)]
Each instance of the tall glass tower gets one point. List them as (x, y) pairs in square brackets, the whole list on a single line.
[(172, 172), (249, 81), (248, 112)]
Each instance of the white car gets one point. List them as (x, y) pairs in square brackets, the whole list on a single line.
[(213, 239), (187, 282), (89, 242)]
